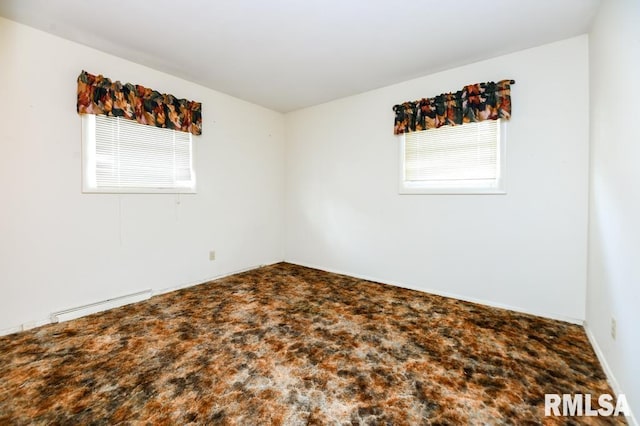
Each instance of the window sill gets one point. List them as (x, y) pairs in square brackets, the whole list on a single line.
[(417, 190), (138, 191)]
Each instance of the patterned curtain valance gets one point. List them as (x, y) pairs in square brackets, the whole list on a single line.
[(475, 102), (100, 96)]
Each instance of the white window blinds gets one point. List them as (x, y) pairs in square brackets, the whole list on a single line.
[(464, 159), (125, 156), (466, 152)]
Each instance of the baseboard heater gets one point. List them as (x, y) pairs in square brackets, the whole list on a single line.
[(104, 305)]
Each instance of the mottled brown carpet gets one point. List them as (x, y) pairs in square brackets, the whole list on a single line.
[(291, 345)]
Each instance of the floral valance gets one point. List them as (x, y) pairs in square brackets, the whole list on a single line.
[(475, 102), (99, 95)]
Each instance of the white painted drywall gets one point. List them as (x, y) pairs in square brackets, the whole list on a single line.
[(525, 250), (614, 215), (60, 248)]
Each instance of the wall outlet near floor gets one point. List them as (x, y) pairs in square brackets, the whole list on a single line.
[(614, 325), (212, 255)]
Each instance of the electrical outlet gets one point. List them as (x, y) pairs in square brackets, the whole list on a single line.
[(212, 255), (614, 325)]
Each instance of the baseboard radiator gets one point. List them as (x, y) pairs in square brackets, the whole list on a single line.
[(92, 308)]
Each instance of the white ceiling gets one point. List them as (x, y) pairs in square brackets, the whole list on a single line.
[(289, 54)]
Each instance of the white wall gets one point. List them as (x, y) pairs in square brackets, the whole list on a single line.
[(525, 250), (614, 223), (60, 248)]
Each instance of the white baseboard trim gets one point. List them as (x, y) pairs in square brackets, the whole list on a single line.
[(103, 305), (613, 382), (206, 280), (492, 304), (24, 327), (37, 323), (81, 311)]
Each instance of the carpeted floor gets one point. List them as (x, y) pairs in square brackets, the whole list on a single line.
[(291, 345)]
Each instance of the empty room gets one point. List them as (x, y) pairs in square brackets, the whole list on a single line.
[(355, 212)]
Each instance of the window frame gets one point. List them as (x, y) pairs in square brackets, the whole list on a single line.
[(478, 187), (89, 184)]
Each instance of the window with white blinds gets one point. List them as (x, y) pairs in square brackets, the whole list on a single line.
[(468, 158), (121, 156)]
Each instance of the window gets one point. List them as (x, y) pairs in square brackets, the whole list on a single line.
[(464, 159), (121, 156)]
